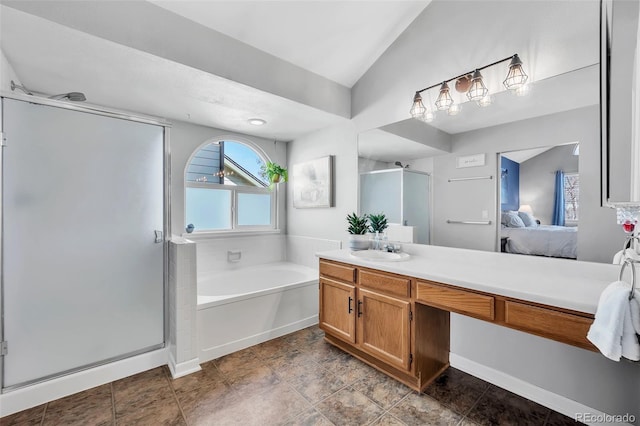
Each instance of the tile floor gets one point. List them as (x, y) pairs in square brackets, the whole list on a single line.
[(297, 379)]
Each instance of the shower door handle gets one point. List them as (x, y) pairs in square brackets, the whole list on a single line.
[(159, 236)]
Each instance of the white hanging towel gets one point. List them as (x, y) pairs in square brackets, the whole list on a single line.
[(613, 331), (635, 311)]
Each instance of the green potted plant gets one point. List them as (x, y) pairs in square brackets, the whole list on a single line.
[(274, 173), (358, 227), (378, 223)]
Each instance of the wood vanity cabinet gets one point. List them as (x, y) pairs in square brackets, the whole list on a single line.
[(400, 325), (370, 314)]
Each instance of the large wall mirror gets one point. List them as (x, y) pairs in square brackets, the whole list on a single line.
[(560, 48), (620, 59)]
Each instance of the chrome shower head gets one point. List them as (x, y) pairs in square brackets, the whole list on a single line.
[(15, 86), (71, 96)]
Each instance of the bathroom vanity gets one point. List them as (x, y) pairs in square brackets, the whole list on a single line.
[(395, 315)]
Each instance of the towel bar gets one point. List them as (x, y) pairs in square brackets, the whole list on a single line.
[(633, 275), (469, 178), (470, 222)]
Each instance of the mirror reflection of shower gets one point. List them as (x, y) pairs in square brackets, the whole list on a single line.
[(71, 96)]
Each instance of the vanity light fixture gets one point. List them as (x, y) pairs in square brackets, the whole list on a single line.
[(478, 90), (516, 78), (444, 100), (473, 85)]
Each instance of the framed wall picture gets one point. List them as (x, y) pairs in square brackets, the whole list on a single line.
[(313, 183)]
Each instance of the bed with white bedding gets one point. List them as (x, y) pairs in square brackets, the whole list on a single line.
[(543, 240)]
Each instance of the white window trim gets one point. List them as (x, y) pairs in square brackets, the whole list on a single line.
[(235, 190), (571, 222), (273, 228)]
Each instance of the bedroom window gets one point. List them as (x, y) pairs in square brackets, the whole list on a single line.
[(571, 197), (225, 189)]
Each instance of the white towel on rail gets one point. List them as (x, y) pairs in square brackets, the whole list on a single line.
[(635, 311), (612, 331)]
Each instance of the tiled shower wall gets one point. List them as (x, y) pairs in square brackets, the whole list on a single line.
[(183, 302)]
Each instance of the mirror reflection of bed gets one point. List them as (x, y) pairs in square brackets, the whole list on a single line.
[(539, 201)]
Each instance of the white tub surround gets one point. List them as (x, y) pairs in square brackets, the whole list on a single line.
[(183, 335), (302, 250), (219, 254), (244, 307)]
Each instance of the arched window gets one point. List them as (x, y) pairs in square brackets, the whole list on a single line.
[(225, 189)]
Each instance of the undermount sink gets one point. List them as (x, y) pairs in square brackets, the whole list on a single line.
[(380, 256)]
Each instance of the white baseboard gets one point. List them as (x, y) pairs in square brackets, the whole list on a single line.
[(183, 368), (31, 396), (556, 402), (207, 354)]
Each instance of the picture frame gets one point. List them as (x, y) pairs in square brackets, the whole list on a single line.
[(312, 183)]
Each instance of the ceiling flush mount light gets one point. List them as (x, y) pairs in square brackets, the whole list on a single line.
[(256, 121), (472, 84)]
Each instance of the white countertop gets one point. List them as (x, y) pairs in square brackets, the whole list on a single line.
[(561, 283)]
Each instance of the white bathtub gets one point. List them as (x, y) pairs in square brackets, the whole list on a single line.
[(247, 306)]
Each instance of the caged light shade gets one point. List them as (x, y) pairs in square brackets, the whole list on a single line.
[(444, 100), (477, 90), (417, 109), (516, 77)]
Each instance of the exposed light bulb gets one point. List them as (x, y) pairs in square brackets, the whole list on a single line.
[(417, 109), (522, 90), (444, 100), (516, 77), (454, 109), (478, 90), (486, 101), (428, 116)]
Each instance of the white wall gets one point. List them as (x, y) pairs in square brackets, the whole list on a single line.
[(329, 223), (7, 73), (185, 140), (149, 28), (537, 179)]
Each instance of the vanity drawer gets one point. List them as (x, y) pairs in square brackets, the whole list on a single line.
[(385, 283), (460, 301), (561, 326), (341, 272)]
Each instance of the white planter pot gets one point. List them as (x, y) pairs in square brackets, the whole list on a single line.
[(359, 242)]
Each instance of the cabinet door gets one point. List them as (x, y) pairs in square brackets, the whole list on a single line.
[(337, 309), (383, 328)]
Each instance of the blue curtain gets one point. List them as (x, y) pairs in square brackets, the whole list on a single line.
[(558, 207)]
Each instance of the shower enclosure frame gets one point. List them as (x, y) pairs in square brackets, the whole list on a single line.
[(401, 171), (105, 112)]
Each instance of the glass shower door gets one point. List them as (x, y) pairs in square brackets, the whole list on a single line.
[(83, 278)]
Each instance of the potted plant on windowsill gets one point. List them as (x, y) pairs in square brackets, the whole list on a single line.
[(358, 227), (274, 173)]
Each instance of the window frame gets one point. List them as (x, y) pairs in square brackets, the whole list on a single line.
[(573, 222), (235, 190)]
